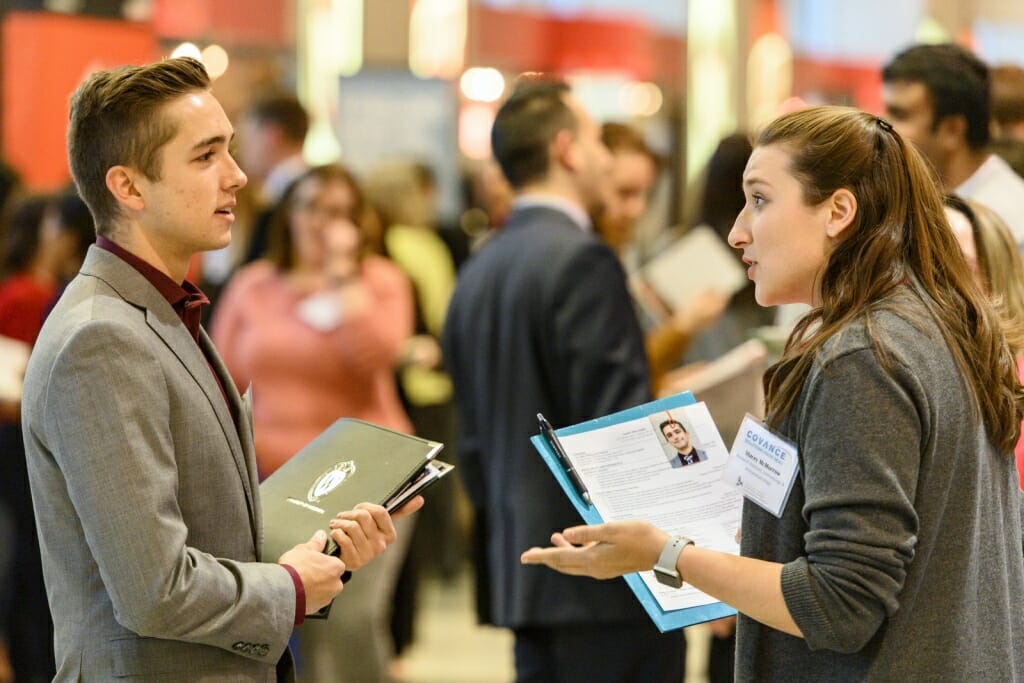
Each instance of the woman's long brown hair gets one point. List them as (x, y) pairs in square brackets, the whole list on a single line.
[(899, 238)]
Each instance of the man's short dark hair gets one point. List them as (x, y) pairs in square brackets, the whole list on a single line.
[(956, 80), (282, 110), (526, 124), (116, 119), (1007, 93)]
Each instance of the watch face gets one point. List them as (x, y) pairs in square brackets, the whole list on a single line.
[(666, 578)]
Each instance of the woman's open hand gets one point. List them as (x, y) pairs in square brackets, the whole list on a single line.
[(602, 551)]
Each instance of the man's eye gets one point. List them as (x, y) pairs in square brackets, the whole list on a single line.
[(205, 157)]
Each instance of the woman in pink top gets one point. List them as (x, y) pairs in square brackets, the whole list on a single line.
[(994, 258), (318, 328)]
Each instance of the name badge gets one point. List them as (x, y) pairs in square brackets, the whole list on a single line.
[(763, 465)]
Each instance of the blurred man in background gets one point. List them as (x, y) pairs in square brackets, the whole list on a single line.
[(528, 331), (938, 97)]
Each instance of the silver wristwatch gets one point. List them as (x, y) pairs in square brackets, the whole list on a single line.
[(665, 567)]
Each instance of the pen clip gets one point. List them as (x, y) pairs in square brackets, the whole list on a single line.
[(563, 459)]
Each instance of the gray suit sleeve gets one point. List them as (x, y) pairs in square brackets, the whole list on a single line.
[(114, 444)]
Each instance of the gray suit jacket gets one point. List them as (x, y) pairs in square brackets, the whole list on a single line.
[(146, 494)]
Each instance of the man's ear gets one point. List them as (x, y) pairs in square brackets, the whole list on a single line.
[(951, 132), (842, 209), (121, 182), (562, 150)]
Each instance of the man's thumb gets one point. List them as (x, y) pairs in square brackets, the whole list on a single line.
[(319, 540)]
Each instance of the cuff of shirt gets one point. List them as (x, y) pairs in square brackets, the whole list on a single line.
[(300, 595)]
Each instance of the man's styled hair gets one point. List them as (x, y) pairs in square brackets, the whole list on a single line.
[(526, 124), (116, 119), (957, 81), (284, 111)]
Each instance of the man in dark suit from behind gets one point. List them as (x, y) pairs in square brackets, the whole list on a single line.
[(541, 321)]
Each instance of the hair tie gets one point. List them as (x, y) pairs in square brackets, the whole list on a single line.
[(883, 124)]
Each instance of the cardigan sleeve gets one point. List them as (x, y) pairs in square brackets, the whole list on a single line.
[(860, 457)]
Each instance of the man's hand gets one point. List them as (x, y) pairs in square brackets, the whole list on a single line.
[(320, 573), (366, 531)]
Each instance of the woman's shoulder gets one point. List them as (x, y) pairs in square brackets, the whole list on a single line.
[(893, 323), (377, 268), (899, 339)]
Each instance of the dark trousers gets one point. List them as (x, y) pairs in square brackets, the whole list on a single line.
[(601, 653)]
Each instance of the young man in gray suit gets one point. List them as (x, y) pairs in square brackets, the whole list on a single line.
[(541, 321), (139, 446)]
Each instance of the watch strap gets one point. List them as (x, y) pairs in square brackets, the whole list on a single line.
[(665, 567)]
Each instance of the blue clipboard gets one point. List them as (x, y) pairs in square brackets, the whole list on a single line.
[(664, 620)]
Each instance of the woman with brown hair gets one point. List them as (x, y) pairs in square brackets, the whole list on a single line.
[(898, 554), (998, 268)]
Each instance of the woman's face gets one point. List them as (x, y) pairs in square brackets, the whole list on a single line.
[(321, 223), (676, 435), (784, 241), (965, 238)]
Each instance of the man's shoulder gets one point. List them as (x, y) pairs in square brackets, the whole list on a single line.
[(996, 185), (539, 237)]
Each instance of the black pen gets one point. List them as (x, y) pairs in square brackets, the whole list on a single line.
[(556, 446)]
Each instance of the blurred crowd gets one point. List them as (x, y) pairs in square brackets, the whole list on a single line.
[(333, 296)]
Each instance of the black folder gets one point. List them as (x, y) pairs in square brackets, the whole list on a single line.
[(351, 462)]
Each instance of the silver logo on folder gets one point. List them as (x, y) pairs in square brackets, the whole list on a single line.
[(330, 480)]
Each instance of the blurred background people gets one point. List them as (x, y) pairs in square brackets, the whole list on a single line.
[(489, 201), (1008, 114), (45, 243), (938, 97), (271, 134), (541, 320), (633, 173), (404, 198), (319, 327), (720, 201), (998, 268), (67, 220)]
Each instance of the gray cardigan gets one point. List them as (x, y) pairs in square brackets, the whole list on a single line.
[(901, 539)]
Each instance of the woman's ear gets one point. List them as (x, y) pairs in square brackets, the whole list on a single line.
[(842, 210)]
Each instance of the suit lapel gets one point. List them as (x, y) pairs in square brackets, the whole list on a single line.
[(245, 455), (164, 322)]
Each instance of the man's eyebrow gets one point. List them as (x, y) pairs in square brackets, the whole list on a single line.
[(214, 140)]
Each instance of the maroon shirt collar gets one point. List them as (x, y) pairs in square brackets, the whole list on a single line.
[(186, 299)]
